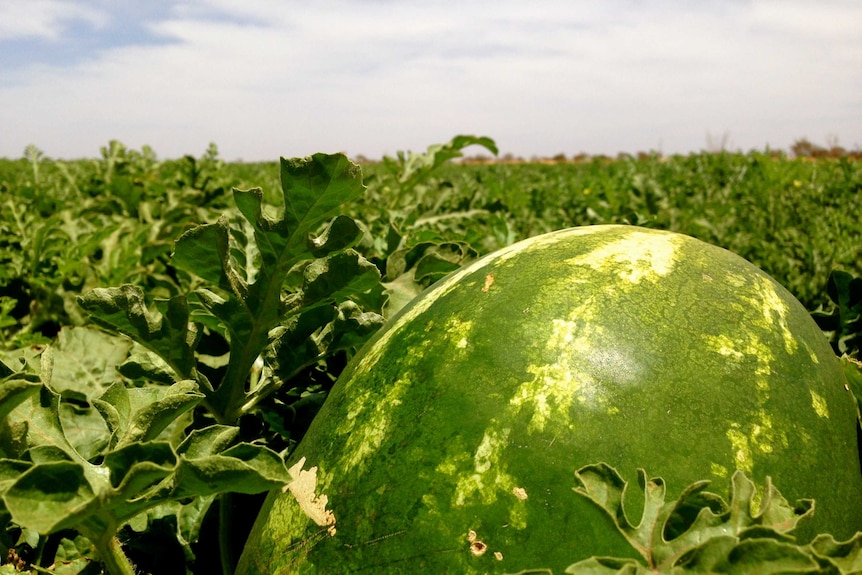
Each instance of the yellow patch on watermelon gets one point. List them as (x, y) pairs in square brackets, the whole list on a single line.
[(773, 311), (741, 448), (636, 257), (718, 470), (488, 477), (459, 332), (818, 402), (363, 439)]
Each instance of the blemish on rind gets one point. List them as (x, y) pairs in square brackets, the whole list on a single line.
[(477, 548), (489, 281), (520, 493), (498, 556), (302, 488)]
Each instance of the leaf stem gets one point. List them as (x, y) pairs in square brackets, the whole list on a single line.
[(112, 555), (226, 554)]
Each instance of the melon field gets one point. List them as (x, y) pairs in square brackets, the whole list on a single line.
[(630, 365)]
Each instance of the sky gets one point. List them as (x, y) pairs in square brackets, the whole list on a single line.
[(270, 78)]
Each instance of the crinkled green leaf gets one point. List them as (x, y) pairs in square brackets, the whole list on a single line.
[(10, 471), (853, 372), (167, 332), (153, 408), (48, 453), (181, 519), (25, 362), (141, 414), (341, 233), (143, 364), (207, 441), (440, 261), (190, 519), (85, 360), (699, 532), (307, 338), (115, 408), (351, 327), (76, 553), (293, 346), (606, 566), (85, 429), (137, 466), (727, 554), (844, 555), (338, 276), (243, 468), (13, 391), (55, 493), (413, 267), (246, 282), (51, 496), (315, 189), (41, 415), (412, 168), (843, 322), (23, 378), (604, 486), (204, 251)]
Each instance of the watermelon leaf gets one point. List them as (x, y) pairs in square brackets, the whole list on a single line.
[(411, 168), (165, 331), (247, 299), (259, 273), (845, 556), (843, 321), (75, 461), (14, 389), (700, 532), (853, 372)]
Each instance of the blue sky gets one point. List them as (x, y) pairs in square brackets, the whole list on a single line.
[(270, 78)]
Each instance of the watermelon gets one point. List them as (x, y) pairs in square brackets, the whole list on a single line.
[(450, 442)]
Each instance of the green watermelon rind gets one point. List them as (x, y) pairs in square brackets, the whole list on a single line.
[(467, 415)]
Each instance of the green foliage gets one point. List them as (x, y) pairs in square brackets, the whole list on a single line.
[(83, 451), (409, 169), (701, 533), (234, 330), (147, 427), (843, 320), (67, 227)]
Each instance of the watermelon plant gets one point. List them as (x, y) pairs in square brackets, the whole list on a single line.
[(450, 442), (106, 443)]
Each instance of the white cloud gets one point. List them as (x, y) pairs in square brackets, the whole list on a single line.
[(836, 20), (264, 78), (45, 19)]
